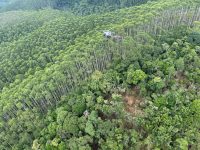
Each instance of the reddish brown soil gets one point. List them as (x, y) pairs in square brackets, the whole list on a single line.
[(132, 102)]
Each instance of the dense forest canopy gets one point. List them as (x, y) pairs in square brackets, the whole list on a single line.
[(63, 85), (81, 7)]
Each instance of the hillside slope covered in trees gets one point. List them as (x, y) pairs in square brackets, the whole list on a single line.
[(65, 86), (81, 7)]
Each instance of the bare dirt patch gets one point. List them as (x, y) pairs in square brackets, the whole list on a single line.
[(181, 78), (132, 102)]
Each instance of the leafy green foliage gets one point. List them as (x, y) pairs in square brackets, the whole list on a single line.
[(194, 38), (81, 7), (64, 86), (134, 77)]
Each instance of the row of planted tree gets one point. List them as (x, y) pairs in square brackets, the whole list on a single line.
[(167, 75), (89, 52), (36, 50), (76, 70)]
